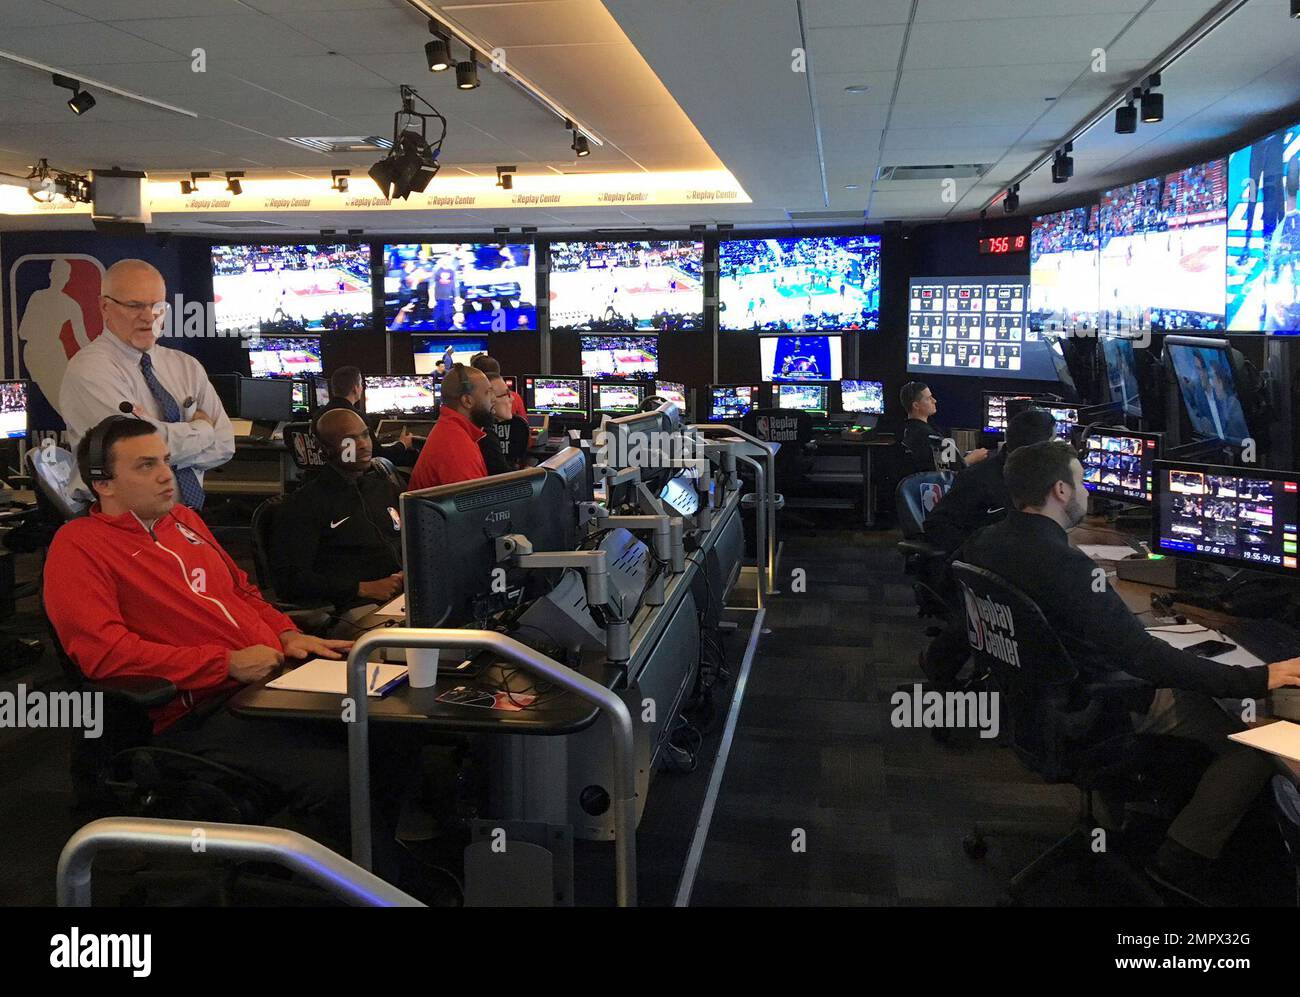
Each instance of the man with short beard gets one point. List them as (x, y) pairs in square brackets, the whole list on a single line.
[(452, 451)]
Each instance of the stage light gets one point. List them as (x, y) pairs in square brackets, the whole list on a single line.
[(413, 161), (467, 73), (339, 180), (232, 182), (1063, 164), (580, 145)]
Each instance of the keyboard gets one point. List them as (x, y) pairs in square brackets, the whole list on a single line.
[(1268, 640)]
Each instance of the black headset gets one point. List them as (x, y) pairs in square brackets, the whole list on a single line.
[(96, 457)]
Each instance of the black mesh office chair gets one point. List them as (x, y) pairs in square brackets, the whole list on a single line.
[(309, 619), (923, 562), (1066, 728)]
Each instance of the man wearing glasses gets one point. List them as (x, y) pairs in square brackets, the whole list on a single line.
[(166, 387)]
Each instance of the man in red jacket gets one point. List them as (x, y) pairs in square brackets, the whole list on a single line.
[(140, 587), (452, 451)]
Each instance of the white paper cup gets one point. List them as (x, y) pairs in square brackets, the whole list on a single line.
[(422, 667)]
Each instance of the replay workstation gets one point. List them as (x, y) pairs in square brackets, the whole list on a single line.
[(591, 454)]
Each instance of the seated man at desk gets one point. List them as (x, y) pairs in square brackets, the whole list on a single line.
[(338, 538), (490, 366), (347, 391), (1031, 549), (505, 445), (926, 446), (979, 494), (452, 452)]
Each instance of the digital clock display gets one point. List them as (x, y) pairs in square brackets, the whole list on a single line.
[(1000, 244)]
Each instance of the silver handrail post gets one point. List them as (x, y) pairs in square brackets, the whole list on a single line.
[(294, 851), (624, 803), (760, 527), (769, 458)]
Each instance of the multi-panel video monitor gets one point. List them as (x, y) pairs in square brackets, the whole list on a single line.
[(460, 287), (976, 326), (627, 286), (1263, 258), (267, 290), (1162, 246), (732, 401), (1245, 517), (826, 284), (1119, 463)]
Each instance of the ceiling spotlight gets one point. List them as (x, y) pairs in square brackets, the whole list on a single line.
[(191, 186), (467, 73), (1126, 118), (437, 53), (232, 182), (1062, 164), (504, 178), (81, 101), (413, 160), (580, 145), (1295, 9), (1153, 107), (339, 180), (1012, 201)]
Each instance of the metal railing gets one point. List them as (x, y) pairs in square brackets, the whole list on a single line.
[(296, 852)]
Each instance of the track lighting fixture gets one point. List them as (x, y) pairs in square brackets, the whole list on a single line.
[(81, 101), (505, 178), (467, 73), (339, 180), (437, 53), (1012, 201), (191, 186), (413, 160), (232, 182), (1153, 104)]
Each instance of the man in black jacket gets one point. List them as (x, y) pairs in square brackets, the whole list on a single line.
[(1031, 550), (979, 494), (347, 391), (338, 537), (926, 447)]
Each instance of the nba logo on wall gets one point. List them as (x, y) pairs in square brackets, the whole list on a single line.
[(54, 312)]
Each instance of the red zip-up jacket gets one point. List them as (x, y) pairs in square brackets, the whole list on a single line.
[(167, 603), (450, 454)]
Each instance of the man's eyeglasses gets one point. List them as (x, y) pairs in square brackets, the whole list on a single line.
[(140, 307)]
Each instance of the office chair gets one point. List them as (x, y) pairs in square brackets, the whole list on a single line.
[(794, 460), (52, 470), (923, 562), (1287, 798), (309, 619), (1066, 728)]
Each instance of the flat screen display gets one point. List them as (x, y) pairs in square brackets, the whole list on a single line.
[(864, 397), (627, 286), (1063, 265), (620, 356), (732, 401), (428, 350), (460, 287), (1118, 463), (802, 397), (13, 409), (673, 392), (1121, 374), (976, 326), (556, 395), (1263, 271), (617, 396), (278, 356), (800, 358), (397, 394), (258, 290), (1209, 390)]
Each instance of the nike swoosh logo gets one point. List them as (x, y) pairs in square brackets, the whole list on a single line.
[(335, 526)]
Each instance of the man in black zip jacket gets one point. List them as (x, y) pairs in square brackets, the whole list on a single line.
[(347, 391), (1031, 549), (925, 447), (338, 537)]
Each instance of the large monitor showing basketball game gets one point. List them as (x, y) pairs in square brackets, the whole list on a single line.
[(1263, 271), (259, 290), (802, 397), (627, 286), (799, 285), (1231, 515), (284, 356), (863, 397), (460, 287), (1063, 271), (620, 356), (1162, 244), (617, 396), (673, 391), (1121, 374), (976, 326), (13, 410), (428, 350), (401, 394), (1203, 369), (800, 358), (1118, 462)]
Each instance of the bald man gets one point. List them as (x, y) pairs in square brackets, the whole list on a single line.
[(165, 387), (337, 539), (452, 452)]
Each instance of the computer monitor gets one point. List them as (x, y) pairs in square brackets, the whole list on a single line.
[(800, 358), (1118, 463), (301, 395), (1056, 355), (283, 356), (320, 390), (572, 465), (13, 410), (620, 356), (460, 287), (674, 392), (732, 401), (558, 396), (1263, 278), (1066, 416), (267, 290), (512, 382), (449, 549), (863, 397), (428, 350), (1203, 369), (1121, 374), (1245, 517), (265, 399), (995, 410), (803, 397), (401, 394), (617, 396), (638, 440)]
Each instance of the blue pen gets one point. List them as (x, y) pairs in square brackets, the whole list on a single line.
[(374, 678)]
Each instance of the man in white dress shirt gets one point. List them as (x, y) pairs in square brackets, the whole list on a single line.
[(166, 387)]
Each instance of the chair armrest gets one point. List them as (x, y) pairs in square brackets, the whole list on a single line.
[(310, 621), (1115, 683), (921, 548), (143, 691)]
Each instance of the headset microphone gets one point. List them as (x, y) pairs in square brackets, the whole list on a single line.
[(126, 408)]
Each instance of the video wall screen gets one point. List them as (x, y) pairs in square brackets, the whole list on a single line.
[(1063, 288), (1162, 246), (451, 350), (1263, 232), (800, 358), (976, 326), (799, 285), (627, 286), (460, 287), (283, 356), (282, 290)]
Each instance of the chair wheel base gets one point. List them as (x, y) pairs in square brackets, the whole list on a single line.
[(975, 846)]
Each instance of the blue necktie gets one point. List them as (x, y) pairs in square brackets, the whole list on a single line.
[(186, 478)]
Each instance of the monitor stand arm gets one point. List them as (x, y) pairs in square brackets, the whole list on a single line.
[(669, 551), (517, 549)]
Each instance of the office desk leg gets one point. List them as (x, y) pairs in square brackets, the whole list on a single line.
[(868, 498)]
